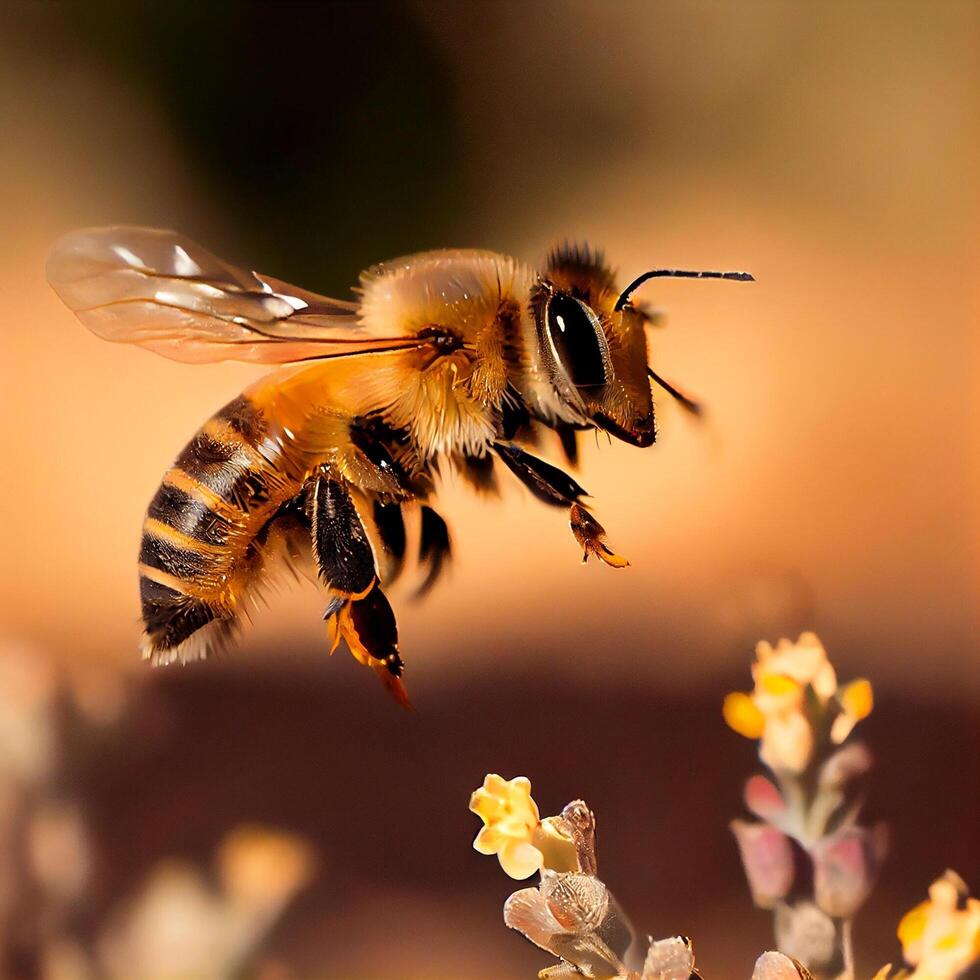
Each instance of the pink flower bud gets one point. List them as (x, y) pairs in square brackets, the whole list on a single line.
[(767, 857), (763, 798), (845, 868)]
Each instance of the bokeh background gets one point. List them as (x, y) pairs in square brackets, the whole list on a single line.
[(829, 148)]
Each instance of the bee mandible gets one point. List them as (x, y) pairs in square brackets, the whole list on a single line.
[(459, 357)]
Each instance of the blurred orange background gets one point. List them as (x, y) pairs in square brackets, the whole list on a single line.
[(830, 149)]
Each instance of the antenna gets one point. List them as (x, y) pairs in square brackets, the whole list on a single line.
[(624, 296)]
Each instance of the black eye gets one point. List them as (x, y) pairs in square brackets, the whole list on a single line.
[(575, 337)]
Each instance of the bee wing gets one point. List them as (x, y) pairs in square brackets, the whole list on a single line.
[(165, 292)]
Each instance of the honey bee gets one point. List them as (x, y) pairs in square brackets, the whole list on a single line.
[(459, 356)]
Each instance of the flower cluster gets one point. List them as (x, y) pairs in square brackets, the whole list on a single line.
[(182, 921), (808, 811), (796, 703), (940, 937), (182, 924), (573, 915)]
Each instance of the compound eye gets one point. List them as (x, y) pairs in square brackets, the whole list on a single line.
[(577, 340)]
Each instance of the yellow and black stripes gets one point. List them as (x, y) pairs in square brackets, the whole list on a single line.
[(221, 459), (185, 559), (201, 524), (170, 616), (192, 516), (245, 493)]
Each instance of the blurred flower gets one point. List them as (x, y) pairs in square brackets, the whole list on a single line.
[(767, 857), (175, 927), (58, 850), (98, 693), (807, 858), (779, 966), (941, 936), (764, 800), (856, 701), (810, 936), (845, 867), (180, 926), (28, 689), (793, 681), (803, 662), (262, 869), (850, 761)]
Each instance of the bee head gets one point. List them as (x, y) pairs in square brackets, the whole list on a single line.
[(595, 350)]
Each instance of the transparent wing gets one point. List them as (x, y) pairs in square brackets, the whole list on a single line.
[(165, 292)]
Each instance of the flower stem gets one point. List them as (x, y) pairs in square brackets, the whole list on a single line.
[(847, 950)]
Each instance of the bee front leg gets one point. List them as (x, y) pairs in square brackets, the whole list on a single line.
[(553, 486), (548, 483), (358, 611)]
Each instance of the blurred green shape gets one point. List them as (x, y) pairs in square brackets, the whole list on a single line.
[(324, 132)]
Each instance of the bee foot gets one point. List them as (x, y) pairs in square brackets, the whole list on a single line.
[(589, 533), (367, 623)]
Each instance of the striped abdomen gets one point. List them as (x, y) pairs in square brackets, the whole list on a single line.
[(199, 532)]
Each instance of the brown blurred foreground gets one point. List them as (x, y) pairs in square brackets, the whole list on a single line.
[(399, 891)]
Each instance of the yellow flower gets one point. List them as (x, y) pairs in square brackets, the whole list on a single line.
[(856, 701), (510, 819), (803, 662), (941, 936), (742, 715), (776, 710), (513, 830)]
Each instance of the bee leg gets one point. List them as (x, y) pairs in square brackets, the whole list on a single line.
[(568, 437), (358, 610), (548, 483), (367, 623), (478, 472), (554, 486), (390, 523), (590, 535), (435, 549), (341, 547)]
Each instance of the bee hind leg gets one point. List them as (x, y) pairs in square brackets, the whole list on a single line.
[(358, 611)]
